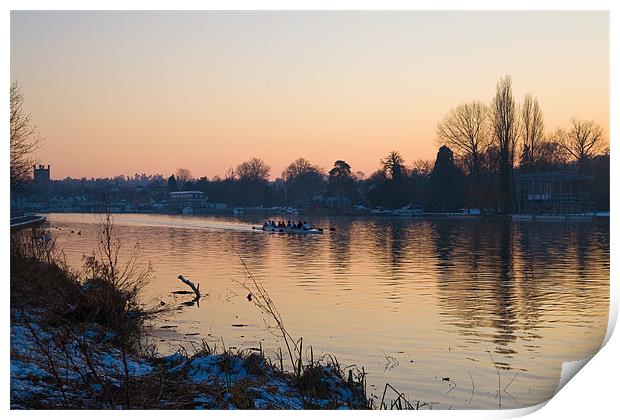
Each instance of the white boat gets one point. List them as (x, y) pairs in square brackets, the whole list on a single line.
[(473, 212), (238, 211), (381, 211), (288, 231), (292, 211), (408, 211)]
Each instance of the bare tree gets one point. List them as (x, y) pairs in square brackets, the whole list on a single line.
[(422, 167), (533, 130), (183, 175), (24, 139), (252, 177), (299, 167), (584, 140), (551, 156), (230, 174), (253, 170), (303, 179), (465, 131), (506, 133)]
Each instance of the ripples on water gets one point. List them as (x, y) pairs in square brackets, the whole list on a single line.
[(413, 301)]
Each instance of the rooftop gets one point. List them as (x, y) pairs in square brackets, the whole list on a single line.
[(186, 192), (556, 175)]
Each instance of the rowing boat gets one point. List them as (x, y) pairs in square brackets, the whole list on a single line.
[(289, 231)]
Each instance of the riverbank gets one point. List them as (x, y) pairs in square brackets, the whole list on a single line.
[(263, 214), (78, 341), (81, 368)]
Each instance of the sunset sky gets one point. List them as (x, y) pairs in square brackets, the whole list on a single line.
[(131, 92)]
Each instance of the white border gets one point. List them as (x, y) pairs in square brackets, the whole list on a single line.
[(593, 395)]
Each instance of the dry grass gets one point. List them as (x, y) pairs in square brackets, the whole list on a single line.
[(103, 291), (59, 307), (309, 375)]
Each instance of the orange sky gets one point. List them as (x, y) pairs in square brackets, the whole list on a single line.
[(125, 92)]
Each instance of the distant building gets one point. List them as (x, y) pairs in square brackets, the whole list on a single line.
[(42, 182), (178, 200), (330, 201), (553, 193), (159, 192)]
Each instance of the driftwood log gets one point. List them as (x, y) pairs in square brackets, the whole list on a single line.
[(195, 288)]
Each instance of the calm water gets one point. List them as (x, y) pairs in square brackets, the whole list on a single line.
[(413, 301)]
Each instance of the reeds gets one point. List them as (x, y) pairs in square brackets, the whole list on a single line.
[(400, 402), (258, 294), (104, 292), (58, 311), (308, 374)]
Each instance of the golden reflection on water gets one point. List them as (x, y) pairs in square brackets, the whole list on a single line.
[(413, 301)]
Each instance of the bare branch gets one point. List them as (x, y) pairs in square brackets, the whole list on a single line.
[(584, 140), (465, 130), (24, 138), (533, 130)]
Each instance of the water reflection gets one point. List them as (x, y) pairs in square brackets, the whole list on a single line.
[(440, 293)]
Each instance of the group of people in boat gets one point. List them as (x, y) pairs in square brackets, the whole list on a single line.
[(272, 224)]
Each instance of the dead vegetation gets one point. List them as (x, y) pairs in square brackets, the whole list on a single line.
[(308, 373), (103, 291), (56, 311), (78, 341)]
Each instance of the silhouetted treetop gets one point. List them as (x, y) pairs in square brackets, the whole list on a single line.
[(584, 139), (447, 182), (253, 170), (532, 132), (393, 165), (466, 131), (172, 184)]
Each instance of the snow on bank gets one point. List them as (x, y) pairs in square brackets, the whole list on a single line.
[(46, 366), (57, 368), (263, 384)]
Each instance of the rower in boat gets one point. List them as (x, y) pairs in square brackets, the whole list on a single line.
[(279, 226), (300, 228), (269, 225)]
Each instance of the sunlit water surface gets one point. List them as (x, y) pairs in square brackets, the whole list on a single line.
[(414, 302)]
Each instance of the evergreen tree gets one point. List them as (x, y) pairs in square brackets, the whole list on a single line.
[(172, 184), (447, 182)]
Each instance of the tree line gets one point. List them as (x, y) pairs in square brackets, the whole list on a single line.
[(491, 141), (482, 146)]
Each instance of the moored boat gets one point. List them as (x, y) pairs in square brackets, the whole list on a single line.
[(409, 210)]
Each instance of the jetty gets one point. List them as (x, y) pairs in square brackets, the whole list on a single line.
[(26, 221)]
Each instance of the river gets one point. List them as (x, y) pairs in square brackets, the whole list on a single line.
[(441, 309)]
